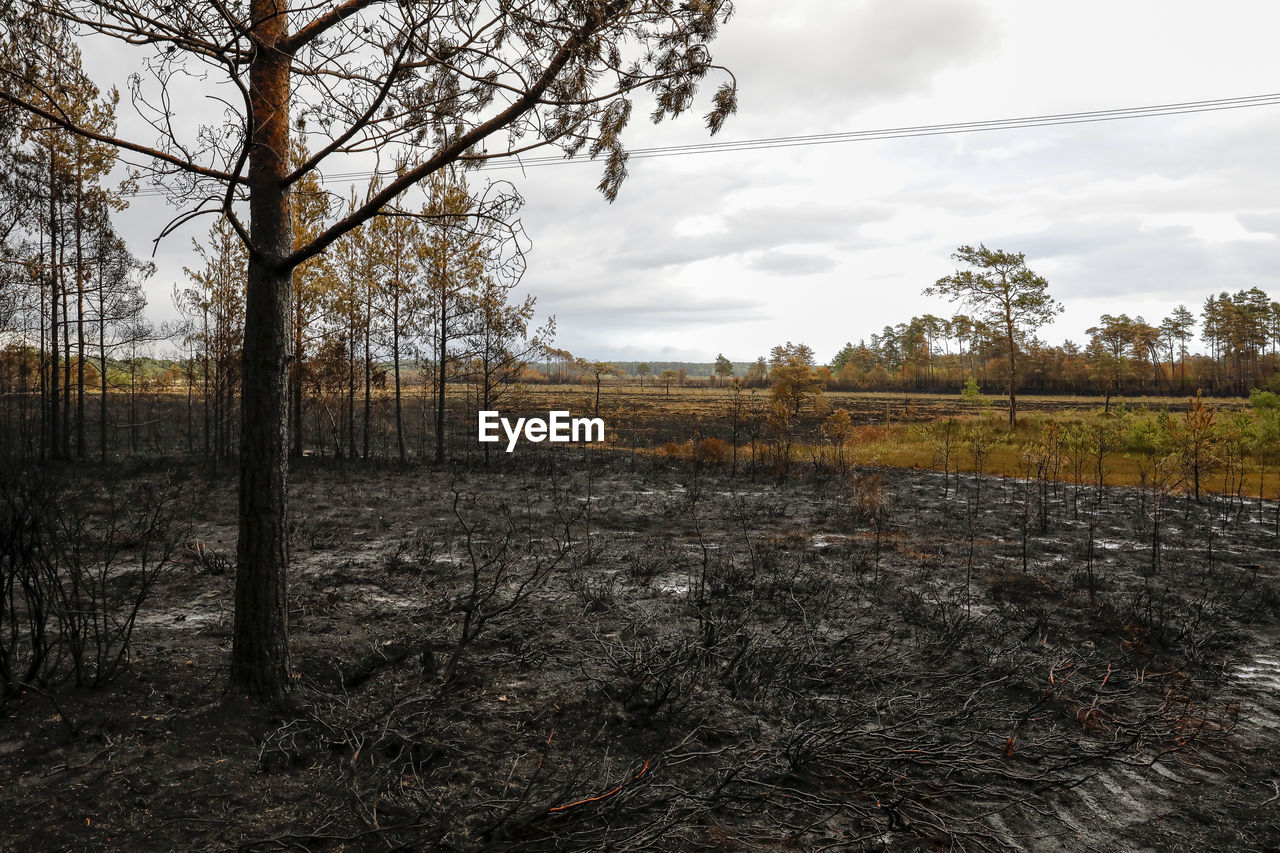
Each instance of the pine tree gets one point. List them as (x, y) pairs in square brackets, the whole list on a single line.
[(1007, 294), (216, 303), (312, 283)]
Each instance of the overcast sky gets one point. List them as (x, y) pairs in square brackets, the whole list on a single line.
[(736, 252)]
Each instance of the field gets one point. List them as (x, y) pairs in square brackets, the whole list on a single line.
[(900, 430), (890, 429), (618, 648)]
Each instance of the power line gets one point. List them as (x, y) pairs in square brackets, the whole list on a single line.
[(500, 163), (936, 129)]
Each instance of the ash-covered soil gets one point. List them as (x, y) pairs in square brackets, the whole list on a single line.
[(589, 650)]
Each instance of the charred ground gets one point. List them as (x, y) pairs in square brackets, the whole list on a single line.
[(594, 649)]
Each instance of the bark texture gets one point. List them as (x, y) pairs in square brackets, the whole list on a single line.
[(260, 651)]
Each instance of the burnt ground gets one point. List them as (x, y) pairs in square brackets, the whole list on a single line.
[(593, 650)]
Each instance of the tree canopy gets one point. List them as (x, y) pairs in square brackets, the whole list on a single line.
[(1004, 293)]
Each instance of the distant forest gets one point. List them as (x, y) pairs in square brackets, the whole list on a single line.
[(1122, 355)]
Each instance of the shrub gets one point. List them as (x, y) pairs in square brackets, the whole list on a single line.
[(706, 451), (72, 581), (870, 434), (711, 451)]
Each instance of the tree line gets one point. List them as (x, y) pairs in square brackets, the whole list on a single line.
[(400, 309), (1123, 355), (71, 301)]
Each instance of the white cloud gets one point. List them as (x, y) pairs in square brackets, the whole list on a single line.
[(806, 59), (791, 263)]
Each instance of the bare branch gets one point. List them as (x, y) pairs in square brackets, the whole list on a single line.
[(72, 127)]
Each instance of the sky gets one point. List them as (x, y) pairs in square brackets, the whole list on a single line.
[(735, 252)]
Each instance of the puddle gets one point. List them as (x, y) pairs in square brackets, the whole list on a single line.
[(672, 584), (1263, 671)]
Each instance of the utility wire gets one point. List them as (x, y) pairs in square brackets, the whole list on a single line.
[(932, 129), (499, 163)]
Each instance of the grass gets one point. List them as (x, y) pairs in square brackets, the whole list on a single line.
[(894, 430), (890, 428), (904, 447)]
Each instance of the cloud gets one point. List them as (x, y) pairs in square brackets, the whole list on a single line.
[(1121, 258), (754, 230), (791, 263), (1260, 223), (815, 55)]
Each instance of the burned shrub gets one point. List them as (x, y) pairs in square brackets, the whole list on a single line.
[(412, 556), (210, 560), (596, 593), (73, 578), (656, 557), (651, 676), (506, 561), (867, 498)]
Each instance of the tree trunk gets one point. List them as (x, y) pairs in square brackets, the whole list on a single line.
[(220, 415), (191, 423), (79, 307), (440, 389), (80, 348), (66, 365), (351, 389), (133, 399), (295, 386), (441, 363), (444, 347), (395, 363), (55, 431), (260, 650), (102, 363), (1013, 369), (368, 368), (42, 408)]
